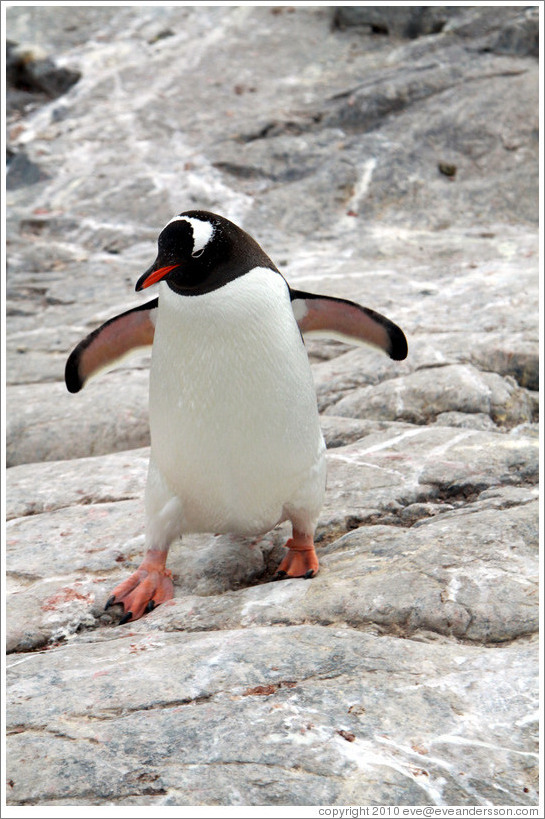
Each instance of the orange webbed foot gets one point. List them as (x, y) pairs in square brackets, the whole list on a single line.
[(301, 559), (149, 586)]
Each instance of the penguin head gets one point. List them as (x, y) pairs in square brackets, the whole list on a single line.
[(200, 251)]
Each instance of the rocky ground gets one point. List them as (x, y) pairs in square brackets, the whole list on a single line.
[(380, 154)]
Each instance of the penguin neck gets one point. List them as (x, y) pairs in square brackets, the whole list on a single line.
[(255, 303), (197, 279)]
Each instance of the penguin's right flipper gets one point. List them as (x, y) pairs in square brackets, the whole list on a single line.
[(104, 347)]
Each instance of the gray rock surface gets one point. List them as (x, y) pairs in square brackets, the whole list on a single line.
[(382, 154)]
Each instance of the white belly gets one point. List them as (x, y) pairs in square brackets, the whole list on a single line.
[(235, 431)]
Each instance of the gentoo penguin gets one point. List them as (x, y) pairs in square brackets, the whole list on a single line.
[(236, 444)]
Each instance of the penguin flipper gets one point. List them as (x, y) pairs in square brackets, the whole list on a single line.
[(326, 316), (110, 342)]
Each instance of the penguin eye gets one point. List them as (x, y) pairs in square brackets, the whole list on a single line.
[(198, 253)]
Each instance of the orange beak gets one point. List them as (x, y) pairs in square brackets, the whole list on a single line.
[(152, 276)]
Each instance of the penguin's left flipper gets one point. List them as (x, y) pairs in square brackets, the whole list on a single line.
[(325, 316), (107, 345)]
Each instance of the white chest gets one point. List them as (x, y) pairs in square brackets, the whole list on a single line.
[(234, 423)]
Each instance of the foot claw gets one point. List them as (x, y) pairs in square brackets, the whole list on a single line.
[(301, 559), (145, 589), (109, 602)]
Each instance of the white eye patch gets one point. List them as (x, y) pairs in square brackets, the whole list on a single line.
[(202, 232)]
